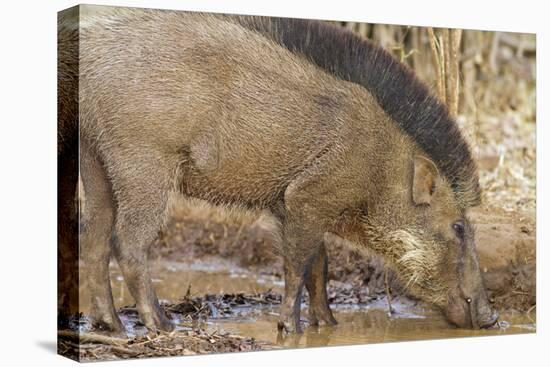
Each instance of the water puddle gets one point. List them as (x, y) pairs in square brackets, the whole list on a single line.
[(172, 280), (365, 325)]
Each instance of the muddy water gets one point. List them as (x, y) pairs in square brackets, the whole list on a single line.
[(173, 279), (366, 325), (357, 324)]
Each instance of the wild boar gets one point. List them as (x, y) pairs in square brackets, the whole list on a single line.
[(308, 121)]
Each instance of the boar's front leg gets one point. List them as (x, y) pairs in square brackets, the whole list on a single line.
[(316, 285), (302, 236), (299, 248)]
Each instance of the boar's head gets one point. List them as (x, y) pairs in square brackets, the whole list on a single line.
[(421, 226)]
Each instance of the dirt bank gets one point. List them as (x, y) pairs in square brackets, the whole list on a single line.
[(507, 255)]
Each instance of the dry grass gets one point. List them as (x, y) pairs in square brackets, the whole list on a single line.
[(87, 347), (488, 81)]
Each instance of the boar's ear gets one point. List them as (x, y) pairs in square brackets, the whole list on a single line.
[(425, 180)]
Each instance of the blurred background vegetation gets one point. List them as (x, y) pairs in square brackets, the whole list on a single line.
[(488, 80)]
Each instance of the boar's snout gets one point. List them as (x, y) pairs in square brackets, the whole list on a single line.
[(471, 313), (467, 302)]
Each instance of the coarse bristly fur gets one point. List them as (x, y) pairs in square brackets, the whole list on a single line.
[(400, 93)]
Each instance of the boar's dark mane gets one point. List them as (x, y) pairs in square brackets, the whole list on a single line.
[(399, 92)]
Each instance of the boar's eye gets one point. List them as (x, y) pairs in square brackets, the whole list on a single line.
[(458, 227)]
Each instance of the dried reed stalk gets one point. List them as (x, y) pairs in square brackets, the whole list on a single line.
[(453, 78), (445, 47), (438, 62)]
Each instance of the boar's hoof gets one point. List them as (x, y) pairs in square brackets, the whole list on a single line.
[(161, 323), (107, 325), (289, 325), (110, 330), (167, 326), (321, 316), (153, 332)]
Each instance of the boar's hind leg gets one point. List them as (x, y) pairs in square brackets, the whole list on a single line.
[(97, 219), (141, 189), (316, 285)]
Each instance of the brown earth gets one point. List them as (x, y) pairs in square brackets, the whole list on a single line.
[(507, 255)]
